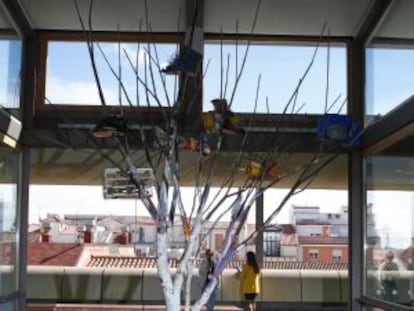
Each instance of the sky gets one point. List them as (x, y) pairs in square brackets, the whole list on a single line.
[(280, 68)]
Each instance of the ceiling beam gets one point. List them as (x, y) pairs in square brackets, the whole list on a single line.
[(190, 97), (372, 20), (390, 129), (18, 17), (293, 134)]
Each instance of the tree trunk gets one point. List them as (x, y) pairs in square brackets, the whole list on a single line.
[(172, 302), (172, 298)]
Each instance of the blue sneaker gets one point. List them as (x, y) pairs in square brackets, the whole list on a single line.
[(187, 61)]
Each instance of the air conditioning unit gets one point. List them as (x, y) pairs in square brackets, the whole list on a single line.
[(117, 183)]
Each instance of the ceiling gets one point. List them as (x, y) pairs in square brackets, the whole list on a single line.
[(399, 22), (71, 155), (282, 17), (4, 20), (276, 17)]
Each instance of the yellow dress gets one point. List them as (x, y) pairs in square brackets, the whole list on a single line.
[(249, 280)]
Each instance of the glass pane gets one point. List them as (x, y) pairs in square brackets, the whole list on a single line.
[(320, 225), (10, 59), (388, 80), (8, 206), (70, 79), (390, 228), (8, 306), (281, 67)]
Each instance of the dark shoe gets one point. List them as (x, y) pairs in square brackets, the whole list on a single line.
[(187, 61), (111, 126)]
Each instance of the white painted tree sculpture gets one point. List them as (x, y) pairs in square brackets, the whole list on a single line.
[(164, 142)]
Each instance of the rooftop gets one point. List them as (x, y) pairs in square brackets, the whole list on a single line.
[(54, 254), (150, 263)]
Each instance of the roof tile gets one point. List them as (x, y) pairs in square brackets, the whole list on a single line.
[(54, 254), (148, 263)]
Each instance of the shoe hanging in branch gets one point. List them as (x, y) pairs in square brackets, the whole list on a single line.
[(114, 125), (186, 61)]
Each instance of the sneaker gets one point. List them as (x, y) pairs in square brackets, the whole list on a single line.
[(110, 126), (187, 61)]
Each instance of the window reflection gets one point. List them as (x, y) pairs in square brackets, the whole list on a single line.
[(10, 57), (8, 207), (388, 82), (390, 229), (10, 82)]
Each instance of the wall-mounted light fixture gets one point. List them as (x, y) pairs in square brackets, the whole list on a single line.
[(10, 128)]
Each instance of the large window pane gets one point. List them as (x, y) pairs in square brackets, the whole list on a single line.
[(308, 228), (388, 81), (10, 59), (390, 228), (9, 306), (70, 79), (8, 208), (10, 82), (281, 67)]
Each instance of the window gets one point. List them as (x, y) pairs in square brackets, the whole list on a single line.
[(10, 67), (9, 161), (271, 243), (389, 224), (337, 255), (313, 254), (10, 59), (388, 82), (141, 234), (315, 234)]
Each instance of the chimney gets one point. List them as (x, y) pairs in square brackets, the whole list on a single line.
[(124, 238), (88, 235), (325, 232), (45, 237)]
